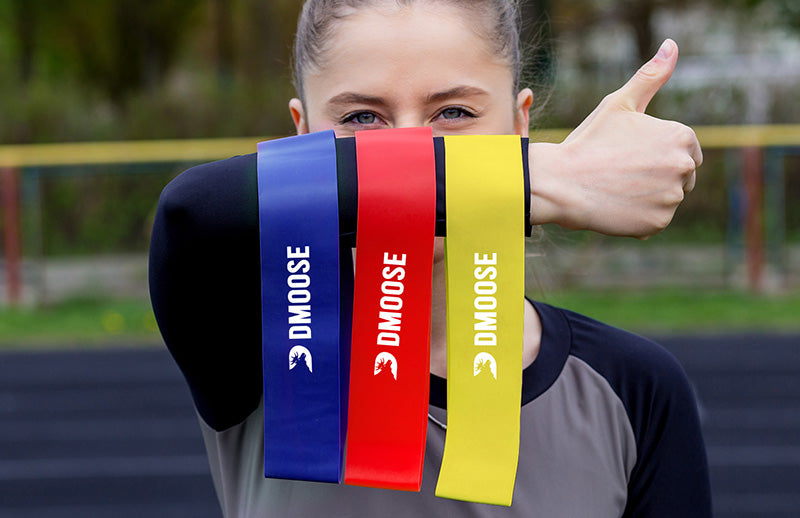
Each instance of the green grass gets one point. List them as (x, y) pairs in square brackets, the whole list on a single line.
[(97, 323), (79, 323), (686, 310)]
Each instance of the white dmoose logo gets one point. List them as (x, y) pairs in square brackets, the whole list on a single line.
[(299, 355), (484, 365), (385, 363)]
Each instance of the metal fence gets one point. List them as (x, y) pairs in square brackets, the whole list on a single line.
[(755, 248)]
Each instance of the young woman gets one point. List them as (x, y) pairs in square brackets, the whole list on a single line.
[(609, 422)]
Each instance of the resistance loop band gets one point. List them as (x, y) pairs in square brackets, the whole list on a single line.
[(485, 253), (299, 233), (348, 187), (389, 360)]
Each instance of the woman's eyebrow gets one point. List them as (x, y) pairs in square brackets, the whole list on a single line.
[(355, 98), (456, 91)]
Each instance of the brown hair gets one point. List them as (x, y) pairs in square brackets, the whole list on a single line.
[(318, 16)]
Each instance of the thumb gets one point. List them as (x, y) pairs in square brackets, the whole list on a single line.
[(637, 93)]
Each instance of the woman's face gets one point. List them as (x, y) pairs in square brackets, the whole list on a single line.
[(420, 65)]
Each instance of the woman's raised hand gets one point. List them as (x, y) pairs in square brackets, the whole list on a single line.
[(621, 172)]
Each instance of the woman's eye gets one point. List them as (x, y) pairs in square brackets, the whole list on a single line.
[(361, 118), (452, 113), (365, 118), (455, 113)]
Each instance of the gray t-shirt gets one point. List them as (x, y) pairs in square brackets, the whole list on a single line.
[(609, 428)]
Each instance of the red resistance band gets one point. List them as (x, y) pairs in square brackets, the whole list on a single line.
[(390, 352)]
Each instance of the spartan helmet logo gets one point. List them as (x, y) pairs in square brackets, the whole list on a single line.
[(484, 366), (385, 365), (300, 357)]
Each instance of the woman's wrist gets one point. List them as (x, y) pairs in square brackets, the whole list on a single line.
[(550, 198)]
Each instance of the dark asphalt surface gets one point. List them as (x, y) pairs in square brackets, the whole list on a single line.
[(113, 433)]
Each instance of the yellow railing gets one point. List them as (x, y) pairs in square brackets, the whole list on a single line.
[(197, 150), (14, 158), (128, 152), (717, 136)]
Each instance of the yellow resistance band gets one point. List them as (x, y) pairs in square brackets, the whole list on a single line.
[(485, 262)]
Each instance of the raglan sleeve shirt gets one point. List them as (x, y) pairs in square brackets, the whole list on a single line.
[(602, 408)]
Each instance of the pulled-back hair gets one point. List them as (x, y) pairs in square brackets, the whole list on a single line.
[(318, 16)]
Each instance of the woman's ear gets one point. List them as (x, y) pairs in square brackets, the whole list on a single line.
[(522, 115), (298, 114)]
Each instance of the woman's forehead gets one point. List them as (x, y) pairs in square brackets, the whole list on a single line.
[(422, 48)]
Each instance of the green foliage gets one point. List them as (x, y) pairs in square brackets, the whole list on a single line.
[(117, 47), (204, 110), (106, 212), (783, 12), (79, 323), (98, 70), (99, 322), (685, 310)]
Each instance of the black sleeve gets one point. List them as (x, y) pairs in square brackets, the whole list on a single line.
[(670, 477), (204, 285), (205, 274)]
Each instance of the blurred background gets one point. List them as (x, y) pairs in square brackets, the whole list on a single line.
[(104, 102)]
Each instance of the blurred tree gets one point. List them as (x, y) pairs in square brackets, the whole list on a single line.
[(638, 15), (267, 30), (537, 42), (141, 40), (782, 12), (578, 16), (118, 47), (25, 33), (222, 13)]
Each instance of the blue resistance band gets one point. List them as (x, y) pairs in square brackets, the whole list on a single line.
[(304, 401)]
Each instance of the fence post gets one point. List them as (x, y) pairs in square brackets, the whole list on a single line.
[(734, 233), (753, 160), (12, 237), (775, 208)]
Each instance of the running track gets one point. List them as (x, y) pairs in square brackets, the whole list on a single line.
[(112, 432)]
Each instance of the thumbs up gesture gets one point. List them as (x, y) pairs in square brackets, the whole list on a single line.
[(621, 172)]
